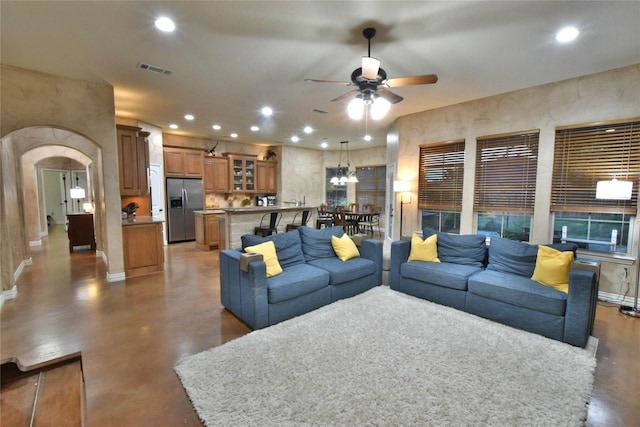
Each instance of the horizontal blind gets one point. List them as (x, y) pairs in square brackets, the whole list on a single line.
[(506, 173), (371, 185), (440, 176), (585, 155)]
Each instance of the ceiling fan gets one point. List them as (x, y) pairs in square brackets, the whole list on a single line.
[(370, 77)]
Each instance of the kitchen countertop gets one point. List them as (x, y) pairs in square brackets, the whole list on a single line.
[(251, 209), (141, 220), (209, 211)]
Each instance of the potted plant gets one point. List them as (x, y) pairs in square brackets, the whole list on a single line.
[(230, 200), (246, 201)]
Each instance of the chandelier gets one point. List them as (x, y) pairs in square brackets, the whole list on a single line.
[(344, 175)]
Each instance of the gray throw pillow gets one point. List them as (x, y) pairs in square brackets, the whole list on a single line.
[(509, 256)]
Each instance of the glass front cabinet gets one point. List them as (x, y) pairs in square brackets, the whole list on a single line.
[(242, 173)]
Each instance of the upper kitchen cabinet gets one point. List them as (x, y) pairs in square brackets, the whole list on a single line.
[(242, 173), (216, 174), (267, 177), (182, 162), (133, 160)]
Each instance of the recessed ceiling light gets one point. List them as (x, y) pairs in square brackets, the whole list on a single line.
[(234, 135), (308, 129), (255, 128), (216, 127), (165, 24), (324, 145), (173, 126), (567, 34), (367, 137), (266, 111), (189, 116), (294, 138)]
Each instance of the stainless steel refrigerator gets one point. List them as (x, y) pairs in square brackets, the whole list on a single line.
[(184, 196)]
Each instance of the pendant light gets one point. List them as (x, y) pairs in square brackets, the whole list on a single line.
[(344, 175)]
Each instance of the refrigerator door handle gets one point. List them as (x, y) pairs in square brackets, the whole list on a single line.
[(185, 200)]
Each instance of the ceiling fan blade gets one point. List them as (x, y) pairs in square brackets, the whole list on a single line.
[(329, 81), (412, 81), (346, 95), (370, 67), (389, 96)]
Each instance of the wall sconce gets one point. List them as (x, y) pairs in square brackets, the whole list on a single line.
[(403, 188)]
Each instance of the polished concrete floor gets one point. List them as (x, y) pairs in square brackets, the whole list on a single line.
[(132, 333)]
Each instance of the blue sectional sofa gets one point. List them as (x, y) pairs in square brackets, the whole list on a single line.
[(312, 276), (495, 282)]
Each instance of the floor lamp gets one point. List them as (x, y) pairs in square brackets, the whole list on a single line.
[(621, 190), (402, 187)]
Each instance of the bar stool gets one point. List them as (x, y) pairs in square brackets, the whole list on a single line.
[(305, 219), (272, 228)]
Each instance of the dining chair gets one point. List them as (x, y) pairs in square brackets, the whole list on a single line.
[(265, 229), (374, 221), (325, 217), (305, 218), (340, 219)]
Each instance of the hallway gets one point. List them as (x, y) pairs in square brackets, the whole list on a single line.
[(132, 333)]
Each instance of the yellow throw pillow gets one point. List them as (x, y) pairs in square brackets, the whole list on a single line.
[(424, 250), (553, 268), (344, 247), (268, 252)]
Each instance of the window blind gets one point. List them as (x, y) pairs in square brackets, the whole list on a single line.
[(440, 176), (505, 177), (588, 154), (371, 185)]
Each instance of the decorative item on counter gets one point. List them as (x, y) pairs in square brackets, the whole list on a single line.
[(211, 152), (130, 209), (246, 201), (230, 200), (270, 155)]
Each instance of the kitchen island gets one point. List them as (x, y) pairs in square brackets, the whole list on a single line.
[(142, 245), (234, 222)]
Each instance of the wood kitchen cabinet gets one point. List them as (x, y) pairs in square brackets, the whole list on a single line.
[(143, 247), (133, 160), (182, 162), (216, 174), (242, 173), (266, 177), (207, 233)]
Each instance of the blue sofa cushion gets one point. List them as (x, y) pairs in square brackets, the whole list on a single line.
[(296, 280), (509, 256), (288, 246), (519, 291), (465, 249), (443, 274), (345, 271), (316, 244)]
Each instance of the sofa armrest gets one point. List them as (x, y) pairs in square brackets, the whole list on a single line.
[(244, 293), (580, 311), (372, 249), (400, 250)]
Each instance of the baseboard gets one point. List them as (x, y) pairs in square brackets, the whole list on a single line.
[(115, 277), (18, 271), (615, 298), (102, 255), (8, 294), (35, 242)]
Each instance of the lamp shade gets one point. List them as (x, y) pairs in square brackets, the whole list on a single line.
[(379, 108), (76, 193), (614, 190), (370, 67), (356, 109), (401, 186)]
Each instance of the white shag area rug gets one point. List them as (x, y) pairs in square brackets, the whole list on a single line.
[(384, 358)]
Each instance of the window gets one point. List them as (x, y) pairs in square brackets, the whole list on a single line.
[(370, 188), (336, 195), (583, 156), (440, 178), (505, 184)]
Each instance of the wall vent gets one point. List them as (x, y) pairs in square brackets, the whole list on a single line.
[(154, 69), (317, 110)]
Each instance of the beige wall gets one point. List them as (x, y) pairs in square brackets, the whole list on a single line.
[(41, 110), (609, 95)]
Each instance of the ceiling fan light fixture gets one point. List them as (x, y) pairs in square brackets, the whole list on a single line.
[(370, 67), (379, 108), (356, 108)]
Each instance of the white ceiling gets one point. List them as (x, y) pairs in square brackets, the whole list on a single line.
[(229, 58)]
